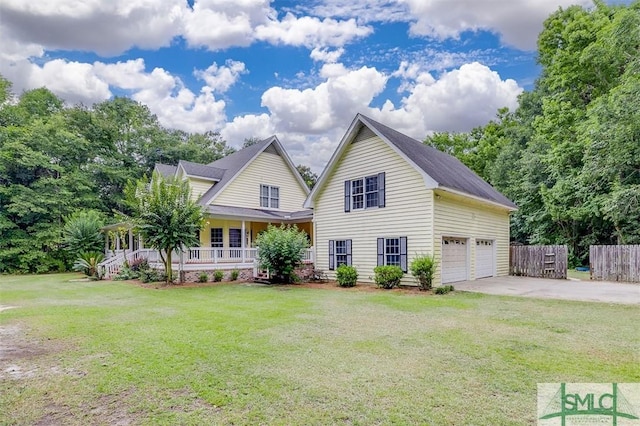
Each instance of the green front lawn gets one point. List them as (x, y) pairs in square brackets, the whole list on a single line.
[(114, 353)]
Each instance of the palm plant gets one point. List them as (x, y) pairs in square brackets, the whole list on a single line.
[(88, 263)]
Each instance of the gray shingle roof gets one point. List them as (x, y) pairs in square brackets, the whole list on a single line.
[(165, 169), (258, 213), (201, 170), (446, 170)]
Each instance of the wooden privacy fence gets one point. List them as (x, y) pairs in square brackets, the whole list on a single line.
[(538, 261), (615, 263)]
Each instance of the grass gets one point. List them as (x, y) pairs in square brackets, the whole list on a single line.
[(579, 275), (115, 353)]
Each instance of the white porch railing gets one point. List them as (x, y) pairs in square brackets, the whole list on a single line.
[(193, 256)]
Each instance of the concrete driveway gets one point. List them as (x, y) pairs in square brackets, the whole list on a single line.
[(588, 291)]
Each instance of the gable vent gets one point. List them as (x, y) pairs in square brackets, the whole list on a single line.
[(364, 133), (271, 150)]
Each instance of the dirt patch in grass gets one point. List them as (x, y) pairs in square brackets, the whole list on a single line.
[(107, 409)]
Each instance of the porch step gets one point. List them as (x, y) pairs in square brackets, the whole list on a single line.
[(262, 277)]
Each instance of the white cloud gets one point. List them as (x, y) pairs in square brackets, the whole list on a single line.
[(458, 101), (220, 79), (105, 27), (326, 55), (218, 24), (74, 82), (518, 21), (310, 31), (317, 110)]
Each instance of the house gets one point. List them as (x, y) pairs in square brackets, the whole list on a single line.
[(242, 194), (385, 198)]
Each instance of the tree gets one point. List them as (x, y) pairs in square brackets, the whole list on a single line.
[(280, 249), (165, 215), (309, 177), (250, 141)]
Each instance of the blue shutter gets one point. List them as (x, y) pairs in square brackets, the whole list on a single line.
[(348, 243), (332, 258), (380, 251), (381, 191), (403, 254), (347, 195)]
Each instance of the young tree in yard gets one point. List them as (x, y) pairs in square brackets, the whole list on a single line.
[(280, 250), (165, 215)]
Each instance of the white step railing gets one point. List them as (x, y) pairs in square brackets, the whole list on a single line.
[(194, 255)]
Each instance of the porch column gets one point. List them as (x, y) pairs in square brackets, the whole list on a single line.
[(117, 243), (243, 242), (130, 240), (106, 244)]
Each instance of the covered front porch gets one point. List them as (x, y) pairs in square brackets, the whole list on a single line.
[(227, 241)]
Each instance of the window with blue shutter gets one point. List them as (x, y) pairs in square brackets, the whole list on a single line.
[(341, 253), (393, 251), (365, 193)]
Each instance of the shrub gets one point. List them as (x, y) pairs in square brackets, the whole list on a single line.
[(443, 289), (346, 276), (139, 264), (423, 268), (151, 275), (126, 273), (234, 275), (82, 232), (88, 263), (203, 277), (218, 276), (280, 249), (387, 276)]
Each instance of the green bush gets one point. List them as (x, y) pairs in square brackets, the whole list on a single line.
[(280, 249), (234, 275), (443, 289), (82, 233), (88, 263), (203, 277), (387, 276), (126, 273), (423, 268), (346, 276), (218, 276), (151, 275)]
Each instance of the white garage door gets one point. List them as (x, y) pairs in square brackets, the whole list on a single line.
[(454, 260), (485, 258)]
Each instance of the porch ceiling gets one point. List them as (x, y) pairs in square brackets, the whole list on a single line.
[(258, 215)]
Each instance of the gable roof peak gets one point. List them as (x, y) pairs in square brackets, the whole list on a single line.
[(440, 170)]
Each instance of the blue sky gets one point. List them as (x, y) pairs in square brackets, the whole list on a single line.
[(300, 70)]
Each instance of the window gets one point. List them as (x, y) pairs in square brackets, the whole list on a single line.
[(339, 253), (235, 238), (269, 196), (393, 251), (364, 193), (216, 237), (371, 191)]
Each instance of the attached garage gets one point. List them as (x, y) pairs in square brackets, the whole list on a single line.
[(485, 258), (455, 262)]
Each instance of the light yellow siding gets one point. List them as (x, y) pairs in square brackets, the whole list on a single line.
[(457, 216), (205, 232), (266, 169), (199, 187), (408, 210)]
